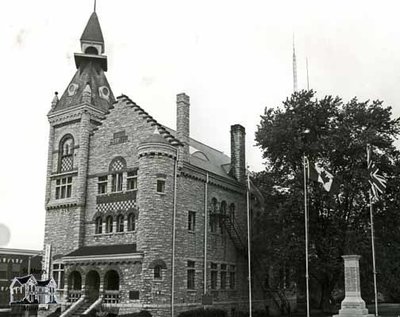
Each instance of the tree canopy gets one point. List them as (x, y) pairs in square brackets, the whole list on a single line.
[(336, 134)]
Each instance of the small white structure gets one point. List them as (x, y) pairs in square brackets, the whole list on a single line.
[(27, 290), (23, 289), (46, 291)]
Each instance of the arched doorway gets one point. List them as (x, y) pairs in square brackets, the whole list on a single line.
[(93, 285), (75, 281), (111, 280)]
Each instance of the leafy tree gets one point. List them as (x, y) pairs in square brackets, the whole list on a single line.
[(336, 134)]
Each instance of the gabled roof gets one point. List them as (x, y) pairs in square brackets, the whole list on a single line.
[(45, 282), (202, 156), (104, 250), (92, 30), (208, 158), (163, 131), (24, 279)]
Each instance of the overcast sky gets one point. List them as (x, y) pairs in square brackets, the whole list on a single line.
[(233, 58)]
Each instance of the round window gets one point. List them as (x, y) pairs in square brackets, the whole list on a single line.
[(105, 91)]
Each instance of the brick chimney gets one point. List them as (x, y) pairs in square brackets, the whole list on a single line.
[(182, 125), (238, 155)]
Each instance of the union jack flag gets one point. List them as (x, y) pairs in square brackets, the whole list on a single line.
[(377, 182)]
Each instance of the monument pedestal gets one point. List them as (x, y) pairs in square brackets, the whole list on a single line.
[(353, 304)]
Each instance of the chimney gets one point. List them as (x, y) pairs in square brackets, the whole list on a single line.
[(182, 125), (238, 156)]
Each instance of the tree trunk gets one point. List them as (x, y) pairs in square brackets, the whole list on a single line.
[(326, 302)]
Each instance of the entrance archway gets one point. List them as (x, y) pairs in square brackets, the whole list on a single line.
[(75, 281), (111, 280), (93, 284)]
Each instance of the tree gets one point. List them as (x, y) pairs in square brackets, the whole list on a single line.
[(335, 134)]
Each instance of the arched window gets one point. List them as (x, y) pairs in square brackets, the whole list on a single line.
[(91, 50), (109, 224), (131, 222), (66, 154), (117, 167), (232, 211), (157, 272), (222, 215), (120, 223), (99, 225), (214, 215), (158, 266)]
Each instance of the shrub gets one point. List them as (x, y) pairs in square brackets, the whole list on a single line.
[(143, 313), (211, 312)]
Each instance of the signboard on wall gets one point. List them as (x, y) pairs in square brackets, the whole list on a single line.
[(46, 262)]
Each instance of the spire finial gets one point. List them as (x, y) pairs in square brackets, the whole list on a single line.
[(94, 9), (294, 68)]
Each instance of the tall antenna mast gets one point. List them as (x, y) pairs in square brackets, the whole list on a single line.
[(308, 80), (294, 68)]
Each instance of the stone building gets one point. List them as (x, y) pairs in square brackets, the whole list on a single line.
[(140, 216)]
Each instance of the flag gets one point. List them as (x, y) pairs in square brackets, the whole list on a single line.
[(377, 182), (317, 173)]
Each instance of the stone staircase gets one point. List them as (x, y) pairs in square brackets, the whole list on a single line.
[(81, 309)]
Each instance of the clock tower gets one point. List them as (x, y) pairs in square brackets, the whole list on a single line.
[(72, 118)]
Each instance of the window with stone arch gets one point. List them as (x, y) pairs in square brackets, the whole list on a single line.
[(99, 225), (66, 154), (131, 222), (158, 267), (232, 211), (222, 215), (214, 215), (117, 168), (120, 223), (109, 224)]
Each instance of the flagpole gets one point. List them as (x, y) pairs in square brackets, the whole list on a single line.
[(371, 209), (305, 164), (248, 240)]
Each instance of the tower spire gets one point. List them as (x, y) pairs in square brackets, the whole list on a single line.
[(294, 68)]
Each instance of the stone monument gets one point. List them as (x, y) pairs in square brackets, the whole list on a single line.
[(353, 304)]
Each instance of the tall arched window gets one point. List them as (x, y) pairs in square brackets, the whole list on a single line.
[(157, 272), (120, 223), (66, 153), (222, 215), (214, 215), (131, 222), (109, 224), (232, 211), (99, 225), (117, 167)]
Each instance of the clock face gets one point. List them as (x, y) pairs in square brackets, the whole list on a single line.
[(72, 89), (104, 92)]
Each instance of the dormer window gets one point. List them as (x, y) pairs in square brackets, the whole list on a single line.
[(66, 154)]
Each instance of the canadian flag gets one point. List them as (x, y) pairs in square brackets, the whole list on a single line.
[(317, 173)]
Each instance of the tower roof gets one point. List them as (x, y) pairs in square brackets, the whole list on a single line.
[(89, 84), (92, 32), (89, 80)]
